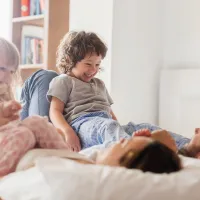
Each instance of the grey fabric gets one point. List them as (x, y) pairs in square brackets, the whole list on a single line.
[(79, 97)]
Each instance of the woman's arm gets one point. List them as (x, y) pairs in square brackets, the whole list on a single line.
[(57, 118)]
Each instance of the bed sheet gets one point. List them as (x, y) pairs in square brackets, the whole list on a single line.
[(56, 178)]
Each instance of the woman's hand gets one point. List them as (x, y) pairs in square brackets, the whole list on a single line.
[(72, 140), (9, 111)]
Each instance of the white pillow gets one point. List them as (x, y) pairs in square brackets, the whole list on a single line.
[(29, 159), (64, 179)]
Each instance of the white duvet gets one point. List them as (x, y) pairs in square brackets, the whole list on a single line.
[(54, 178)]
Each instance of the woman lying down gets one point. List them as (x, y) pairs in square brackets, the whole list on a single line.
[(154, 152)]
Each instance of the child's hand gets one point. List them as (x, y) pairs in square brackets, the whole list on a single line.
[(10, 108), (72, 140), (9, 111)]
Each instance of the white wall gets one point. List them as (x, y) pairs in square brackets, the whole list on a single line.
[(5, 19), (136, 59), (95, 16), (181, 33), (181, 50)]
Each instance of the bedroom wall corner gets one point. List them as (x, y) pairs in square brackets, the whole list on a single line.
[(136, 59)]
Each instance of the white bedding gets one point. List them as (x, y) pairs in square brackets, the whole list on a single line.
[(55, 178)]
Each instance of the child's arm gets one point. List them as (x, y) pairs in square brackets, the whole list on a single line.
[(113, 115), (57, 118)]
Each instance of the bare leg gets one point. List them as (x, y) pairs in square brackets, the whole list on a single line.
[(162, 136), (130, 128)]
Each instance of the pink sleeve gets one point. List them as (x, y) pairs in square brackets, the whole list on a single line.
[(17, 139), (14, 143), (45, 133)]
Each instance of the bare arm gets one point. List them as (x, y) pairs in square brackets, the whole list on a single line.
[(113, 115), (57, 118), (56, 114)]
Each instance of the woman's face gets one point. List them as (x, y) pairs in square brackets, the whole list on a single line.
[(112, 155)]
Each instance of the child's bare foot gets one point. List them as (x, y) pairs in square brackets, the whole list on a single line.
[(165, 138), (142, 132)]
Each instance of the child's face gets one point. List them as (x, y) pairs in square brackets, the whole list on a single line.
[(87, 68), (6, 74)]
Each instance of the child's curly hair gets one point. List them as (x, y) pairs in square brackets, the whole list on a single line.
[(75, 46)]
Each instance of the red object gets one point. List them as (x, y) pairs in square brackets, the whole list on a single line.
[(25, 8)]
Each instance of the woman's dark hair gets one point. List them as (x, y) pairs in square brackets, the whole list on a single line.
[(155, 157), (75, 46)]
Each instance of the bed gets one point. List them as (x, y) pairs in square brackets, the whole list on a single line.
[(58, 178)]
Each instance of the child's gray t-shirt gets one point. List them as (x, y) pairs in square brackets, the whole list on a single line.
[(79, 97)]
